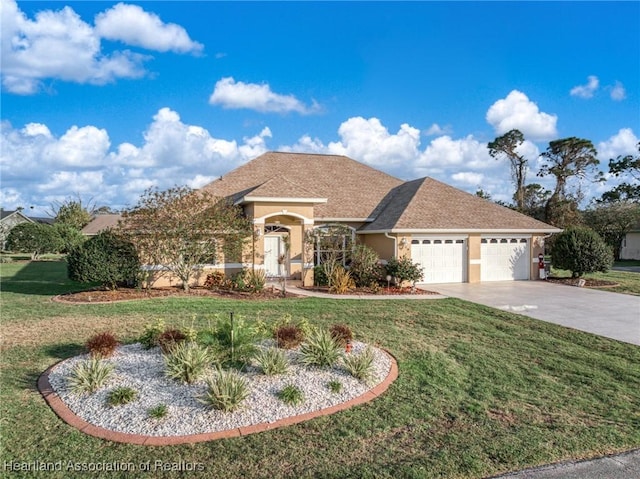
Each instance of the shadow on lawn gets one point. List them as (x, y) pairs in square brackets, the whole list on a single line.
[(64, 351), (43, 278)]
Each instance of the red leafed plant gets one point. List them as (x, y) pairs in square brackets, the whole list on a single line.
[(102, 345)]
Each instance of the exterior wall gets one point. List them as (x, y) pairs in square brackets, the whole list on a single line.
[(385, 247), (474, 258), (631, 246)]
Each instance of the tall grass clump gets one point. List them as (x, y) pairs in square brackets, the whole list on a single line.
[(320, 349), (89, 376), (187, 362), (272, 361), (226, 391), (360, 365)]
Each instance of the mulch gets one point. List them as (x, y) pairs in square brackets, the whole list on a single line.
[(589, 283), (382, 291)]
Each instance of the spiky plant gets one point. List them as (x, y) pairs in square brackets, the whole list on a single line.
[(320, 349), (360, 366), (187, 362), (272, 361), (89, 376), (226, 391)]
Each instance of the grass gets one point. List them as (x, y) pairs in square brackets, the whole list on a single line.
[(627, 282), (480, 391)]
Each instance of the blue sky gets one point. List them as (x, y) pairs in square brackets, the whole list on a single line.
[(106, 99)]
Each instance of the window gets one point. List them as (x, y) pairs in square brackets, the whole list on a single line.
[(333, 243)]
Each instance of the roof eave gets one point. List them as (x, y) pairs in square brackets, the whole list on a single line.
[(269, 199), (463, 230)]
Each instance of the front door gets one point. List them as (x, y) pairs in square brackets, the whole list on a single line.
[(272, 252)]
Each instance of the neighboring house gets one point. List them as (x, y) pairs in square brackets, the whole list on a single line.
[(631, 244), (100, 223), (453, 235), (10, 219)]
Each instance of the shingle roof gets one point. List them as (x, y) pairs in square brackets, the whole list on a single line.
[(352, 189), (280, 187), (100, 223), (428, 204)]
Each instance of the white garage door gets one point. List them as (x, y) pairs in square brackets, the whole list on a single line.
[(504, 259), (442, 260)]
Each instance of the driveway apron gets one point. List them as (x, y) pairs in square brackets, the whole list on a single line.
[(608, 314)]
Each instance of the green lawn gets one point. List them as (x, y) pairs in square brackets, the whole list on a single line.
[(480, 391), (627, 282)]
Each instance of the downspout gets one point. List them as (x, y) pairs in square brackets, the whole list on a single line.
[(395, 243)]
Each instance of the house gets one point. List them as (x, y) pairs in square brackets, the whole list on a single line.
[(100, 223), (453, 235), (8, 220), (630, 248)]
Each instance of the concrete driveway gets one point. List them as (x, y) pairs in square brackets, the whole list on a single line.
[(607, 314)]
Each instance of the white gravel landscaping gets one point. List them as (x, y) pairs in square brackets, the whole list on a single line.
[(143, 370)]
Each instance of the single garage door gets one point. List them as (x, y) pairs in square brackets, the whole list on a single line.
[(443, 260), (504, 259)]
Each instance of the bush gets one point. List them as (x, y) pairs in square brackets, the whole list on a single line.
[(225, 391), (320, 349), (238, 341), (365, 267), (89, 376), (272, 361), (217, 280), (342, 282), (34, 238), (581, 250), (291, 395), (404, 270), (289, 336), (101, 345), (187, 362), (169, 338), (106, 258), (341, 333), (255, 280), (360, 366), (70, 237), (121, 395), (151, 334), (319, 276)]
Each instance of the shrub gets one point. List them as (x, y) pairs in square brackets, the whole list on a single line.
[(365, 267), (34, 238), (341, 282), (158, 412), (289, 336), (341, 333), (335, 386), (169, 338), (151, 333), (320, 349), (404, 270), (272, 361), (237, 339), (101, 345), (319, 276), (217, 280), (187, 362), (225, 391), (256, 279), (581, 250), (121, 395), (360, 366), (70, 237), (106, 258), (291, 395), (89, 376)]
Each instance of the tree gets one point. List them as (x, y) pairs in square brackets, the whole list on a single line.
[(612, 221), (506, 146), (70, 237), (534, 201), (72, 212), (105, 258), (628, 190), (581, 250), (34, 238), (566, 159), (179, 230)]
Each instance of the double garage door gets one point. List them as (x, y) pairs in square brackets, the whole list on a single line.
[(444, 260)]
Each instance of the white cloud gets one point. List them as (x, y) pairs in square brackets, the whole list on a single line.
[(468, 177), (60, 45), (618, 92), (445, 152), (132, 25), (516, 111), (586, 91), (230, 94), (436, 129), (625, 142), (82, 147)]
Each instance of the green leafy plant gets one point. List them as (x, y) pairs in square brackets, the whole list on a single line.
[(159, 411), (404, 270), (291, 395), (101, 345), (255, 280), (187, 362), (272, 361), (289, 336), (151, 333), (341, 333), (335, 386), (360, 366), (581, 250), (365, 267), (320, 349), (319, 276), (89, 376), (169, 338), (341, 281), (226, 391), (237, 340), (121, 395)]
